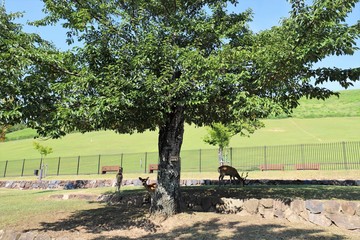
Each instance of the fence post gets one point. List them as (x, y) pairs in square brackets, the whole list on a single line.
[(6, 163), (78, 166), (99, 164), (302, 154), (22, 170), (265, 161), (231, 156), (145, 162), (200, 160), (344, 154), (58, 169)]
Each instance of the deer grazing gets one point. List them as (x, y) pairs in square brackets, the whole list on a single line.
[(233, 173), (149, 187)]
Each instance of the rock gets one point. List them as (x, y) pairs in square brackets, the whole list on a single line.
[(294, 218), (348, 208), (331, 207), (43, 236), (288, 213), (268, 214), (267, 202), (10, 235), (189, 182), (345, 221), (320, 220), (305, 215), (297, 206), (27, 236), (279, 213), (251, 206), (314, 206)]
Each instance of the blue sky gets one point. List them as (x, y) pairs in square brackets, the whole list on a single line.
[(267, 13)]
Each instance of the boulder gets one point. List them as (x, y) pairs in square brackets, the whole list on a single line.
[(348, 208), (331, 207), (251, 206), (345, 221), (320, 220), (314, 206)]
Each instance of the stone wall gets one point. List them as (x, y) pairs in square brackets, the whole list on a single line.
[(72, 184), (343, 214)]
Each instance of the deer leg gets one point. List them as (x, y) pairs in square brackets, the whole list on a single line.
[(221, 179)]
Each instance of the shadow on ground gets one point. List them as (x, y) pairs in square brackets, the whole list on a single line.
[(128, 218)]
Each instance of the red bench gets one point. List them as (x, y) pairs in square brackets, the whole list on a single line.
[(307, 166), (153, 167), (265, 167), (105, 169)]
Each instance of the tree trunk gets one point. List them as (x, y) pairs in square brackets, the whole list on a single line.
[(3, 130), (167, 198), (220, 156)]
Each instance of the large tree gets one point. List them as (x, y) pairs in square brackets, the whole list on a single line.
[(154, 65)]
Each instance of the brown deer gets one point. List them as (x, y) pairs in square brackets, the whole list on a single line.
[(149, 187), (233, 173), (119, 178)]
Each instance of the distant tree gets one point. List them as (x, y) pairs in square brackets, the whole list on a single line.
[(43, 150), (220, 135), (154, 65)]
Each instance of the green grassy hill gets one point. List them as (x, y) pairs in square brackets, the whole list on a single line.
[(346, 105), (334, 120)]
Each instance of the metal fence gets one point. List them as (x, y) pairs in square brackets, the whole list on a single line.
[(324, 156)]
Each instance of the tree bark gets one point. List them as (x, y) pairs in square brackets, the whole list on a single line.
[(3, 131), (167, 198)]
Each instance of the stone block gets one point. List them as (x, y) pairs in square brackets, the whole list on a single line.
[(320, 220), (294, 218), (297, 206), (345, 221), (314, 206), (268, 213), (27, 236), (331, 207), (348, 208), (251, 206), (305, 215), (288, 213), (279, 205), (279, 213), (267, 202), (10, 235)]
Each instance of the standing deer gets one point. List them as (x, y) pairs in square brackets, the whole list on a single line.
[(119, 178), (149, 187), (232, 172)]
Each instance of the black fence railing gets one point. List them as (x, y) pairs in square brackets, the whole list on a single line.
[(322, 156)]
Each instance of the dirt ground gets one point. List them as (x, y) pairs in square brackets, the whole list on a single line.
[(129, 219)]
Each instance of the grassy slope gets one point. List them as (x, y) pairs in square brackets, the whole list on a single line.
[(277, 132), (347, 105)]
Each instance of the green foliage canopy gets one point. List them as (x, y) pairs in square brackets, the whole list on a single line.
[(141, 58)]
